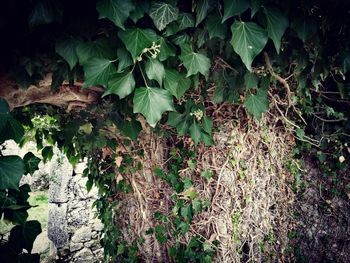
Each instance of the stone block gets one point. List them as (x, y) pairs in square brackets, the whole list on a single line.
[(83, 234), (57, 225)]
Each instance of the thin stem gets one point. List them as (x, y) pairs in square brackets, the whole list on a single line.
[(143, 76)]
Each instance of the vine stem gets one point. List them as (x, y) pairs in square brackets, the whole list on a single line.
[(143, 76)]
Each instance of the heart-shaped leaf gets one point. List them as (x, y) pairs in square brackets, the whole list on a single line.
[(121, 84), (162, 14)]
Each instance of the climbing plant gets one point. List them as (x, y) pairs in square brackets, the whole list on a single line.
[(159, 65)]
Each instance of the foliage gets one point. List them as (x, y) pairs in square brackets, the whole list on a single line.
[(166, 62)]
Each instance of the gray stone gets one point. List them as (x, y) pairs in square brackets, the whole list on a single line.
[(57, 225), (84, 256), (91, 243), (97, 225), (60, 174), (75, 246), (83, 234), (41, 243)]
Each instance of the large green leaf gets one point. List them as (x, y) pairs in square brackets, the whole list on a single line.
[(256, 104), (124, 59), (202, 9), (162, 14), (98, 71), (25, 234), (44, 12), (176, 83), (155, 70), (141, 8), (248, 40), (194, 62), (306, 28), (11, 171), (277, 24), (10, 128), (115, 10), (234, 7), (100, 48), (136, 39), (166, 50), (121, 84), (215, 27), (152, 103), (66, 49)]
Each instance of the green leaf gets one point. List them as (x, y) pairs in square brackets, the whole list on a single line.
[(166, 50), (121, 84), (277, 24), (197, 206), (66, 49), (152, 103), (185, 20), (250, 80), (98, 71), (44, 12), (207, 174), (207, 124), (11, 171), (162, 14), (136, 39), (195, 132), (215, 27), (179, 121), (306, 28), (254, 7), (47, 153), (256, 104), (234, 7), (124, 59), (248, 40), (141, 8), (160, 233), (194, 62), (100, 48), (115, 10), (176, 83), (10, 128), (155, 70), (26, 234), (201, 10), (31, 163), (131, 129)]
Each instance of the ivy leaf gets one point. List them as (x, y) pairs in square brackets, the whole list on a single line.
[(254, 8), (121, 84), (44, 12), (152, 103), (136, 39), (257, 103), (179, 121), (47, 153), (195, 132), (11, 128), (306, 28), (115, 10), (155, 70), (248, 40), (194, 62), (131, 129), (11, 171), (31, 163), (207, 124), (176, 83), (101, 48), (201, 10), (66, 49), (250, 80), (215, 27), (234, 7), (25, 234), (185, 20), (277, 24), (141, 8), (98, 71), (166, 50), (162, 14), (124, 59)]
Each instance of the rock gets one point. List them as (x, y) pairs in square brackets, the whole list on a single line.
[(60, 174), (57, 225), (82, 235), (97, 225), (75, 246), (84, 256), (41, 243)]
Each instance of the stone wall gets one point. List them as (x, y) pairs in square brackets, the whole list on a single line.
[(72, 227)]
